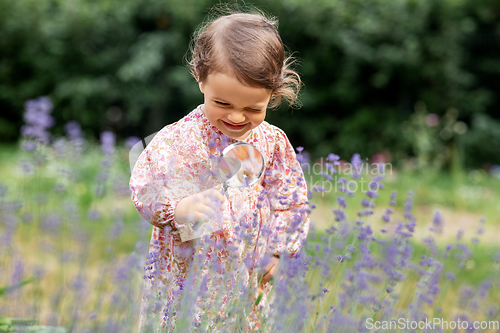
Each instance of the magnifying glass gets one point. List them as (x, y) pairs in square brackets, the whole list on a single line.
[(240, 166)]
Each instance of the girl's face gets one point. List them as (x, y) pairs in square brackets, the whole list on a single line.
[(231, 106)]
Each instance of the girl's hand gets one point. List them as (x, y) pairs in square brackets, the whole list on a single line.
[(269, 271), (199, 207)]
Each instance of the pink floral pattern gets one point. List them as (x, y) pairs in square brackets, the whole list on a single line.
[(271, 216)]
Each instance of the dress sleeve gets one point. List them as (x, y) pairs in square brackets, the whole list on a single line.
[(287, 193), (148, 191)]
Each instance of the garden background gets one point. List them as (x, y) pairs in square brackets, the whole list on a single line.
[(413, 83)]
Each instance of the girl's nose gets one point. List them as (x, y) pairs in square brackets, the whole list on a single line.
[(236, 117)]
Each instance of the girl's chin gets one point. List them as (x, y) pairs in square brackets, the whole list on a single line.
[(235, 136)]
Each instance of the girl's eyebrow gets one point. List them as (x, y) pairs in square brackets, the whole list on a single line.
[(254, 107)]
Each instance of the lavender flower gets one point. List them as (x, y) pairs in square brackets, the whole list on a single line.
[(303, 158), (29, 146), (437, 223), (38, 119), (387, 214), (409, 207), (327, 176), (342, 202), (339, 215), (330, 168), (357, 164), (108, 142), (334, 159), (393, 198), (366, 203), (73, 130)]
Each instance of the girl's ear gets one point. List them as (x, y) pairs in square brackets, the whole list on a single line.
[(200, 84)]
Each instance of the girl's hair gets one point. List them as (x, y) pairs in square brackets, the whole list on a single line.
[(248, 46)]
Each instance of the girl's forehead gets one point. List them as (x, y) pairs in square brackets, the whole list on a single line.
[(226, 86)]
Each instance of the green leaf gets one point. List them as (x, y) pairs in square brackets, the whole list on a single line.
[(8, 289), (258, 299)]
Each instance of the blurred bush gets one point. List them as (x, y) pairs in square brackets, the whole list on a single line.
[(118, 66)]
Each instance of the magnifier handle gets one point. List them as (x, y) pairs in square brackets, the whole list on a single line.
[(223, 189)]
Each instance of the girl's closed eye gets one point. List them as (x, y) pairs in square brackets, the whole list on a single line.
[(222, 103)]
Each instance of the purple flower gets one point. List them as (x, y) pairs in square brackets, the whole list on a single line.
[(38, 119), (299, 149), (51, 222), (480, 230), (29, 146), (303, 157), (466, 295), (365, 203), (437, 223), (387, 214), (27, 217), (73, 130), (409, 207), (357, 164), (339, 215), (327, 176), (393, 198), (94, 215), (319, 188), (334, 159), (330, 168), (342, 202), (131, 141), (108, 142)]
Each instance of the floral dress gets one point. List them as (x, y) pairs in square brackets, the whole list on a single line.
[(269, 217)]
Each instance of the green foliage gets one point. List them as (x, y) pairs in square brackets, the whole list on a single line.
[(6, 325), (485, 133), (8, 289), (119, 66)]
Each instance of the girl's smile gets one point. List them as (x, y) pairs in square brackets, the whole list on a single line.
[(234, 127), (233, 107)]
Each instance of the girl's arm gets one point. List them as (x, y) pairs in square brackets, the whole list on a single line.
[(287, 192), (164, 199), (148, 192)]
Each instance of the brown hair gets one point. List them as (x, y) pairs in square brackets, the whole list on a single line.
[(248, 46)]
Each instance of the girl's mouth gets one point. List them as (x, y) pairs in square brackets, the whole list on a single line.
[(234, 127)]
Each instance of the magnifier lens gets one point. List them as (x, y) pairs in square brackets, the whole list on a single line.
[(241, 165)]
